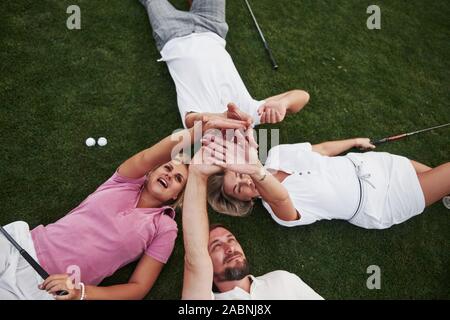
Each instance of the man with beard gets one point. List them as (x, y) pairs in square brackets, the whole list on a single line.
[(214, 257)]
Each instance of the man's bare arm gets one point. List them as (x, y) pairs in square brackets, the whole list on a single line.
[(198, 269), (233, 112), (276, 107)]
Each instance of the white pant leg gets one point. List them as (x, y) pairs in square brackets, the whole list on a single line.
[(18, 280), (5, 292)]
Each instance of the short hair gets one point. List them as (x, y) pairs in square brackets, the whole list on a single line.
[(217, 225), (222, 203)]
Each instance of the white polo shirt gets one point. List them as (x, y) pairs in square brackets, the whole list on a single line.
[(320, 187), (205, 76), (276, 285)]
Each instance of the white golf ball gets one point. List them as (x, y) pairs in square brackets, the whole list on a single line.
[(102, 141), (90, 142)]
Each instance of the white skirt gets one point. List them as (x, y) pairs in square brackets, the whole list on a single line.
[(393, 195), (18, 280)]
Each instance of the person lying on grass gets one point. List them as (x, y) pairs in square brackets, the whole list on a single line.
[(214, 257), (303, 183), (192, 43), (129, 217)]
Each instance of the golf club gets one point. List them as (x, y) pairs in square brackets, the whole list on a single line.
[(44, 274), (404, 135), (266, 45)]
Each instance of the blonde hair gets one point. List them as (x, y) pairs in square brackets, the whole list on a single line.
[(222, 203), (178, 202)]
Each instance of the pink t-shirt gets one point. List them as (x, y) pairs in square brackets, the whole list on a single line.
[(105, 232)]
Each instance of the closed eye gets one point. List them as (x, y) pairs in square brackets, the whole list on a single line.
[(214, 245), (237, 187)]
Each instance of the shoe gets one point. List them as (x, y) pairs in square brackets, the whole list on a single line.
[(446, 201)]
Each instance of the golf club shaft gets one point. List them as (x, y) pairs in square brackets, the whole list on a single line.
[(266, 45), (404, 135), (428, 129), (33, 263)]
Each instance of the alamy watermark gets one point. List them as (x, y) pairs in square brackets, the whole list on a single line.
[(374, 21), (73, 22), (184, 139), (374, 280), (74, 279)]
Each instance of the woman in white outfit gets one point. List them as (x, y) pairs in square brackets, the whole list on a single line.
[(303, 183)]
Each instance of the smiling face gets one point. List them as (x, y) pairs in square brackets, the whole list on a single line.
[(167, 181), (227, 256), (239, 186)]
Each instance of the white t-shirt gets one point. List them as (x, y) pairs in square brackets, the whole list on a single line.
[(205, 76), (276, 285), (320, 187)]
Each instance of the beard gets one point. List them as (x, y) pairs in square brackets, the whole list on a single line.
[(238, 272)]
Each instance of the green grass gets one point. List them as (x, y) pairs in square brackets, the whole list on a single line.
[(58, 87)]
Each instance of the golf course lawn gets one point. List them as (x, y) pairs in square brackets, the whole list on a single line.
[(59, 87)]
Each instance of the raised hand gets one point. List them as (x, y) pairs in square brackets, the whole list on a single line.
[(218, 122), (234, 112), (204, 163), (273, 111), (239, 154)]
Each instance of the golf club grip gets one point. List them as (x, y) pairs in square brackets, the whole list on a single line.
[(389, 139), (44, 274), (272, 58), (378, 142), (36, 266)]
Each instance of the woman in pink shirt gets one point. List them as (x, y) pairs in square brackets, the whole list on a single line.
[(129, 217)]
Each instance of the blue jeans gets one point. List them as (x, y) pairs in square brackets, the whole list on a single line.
[(169, 23)]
